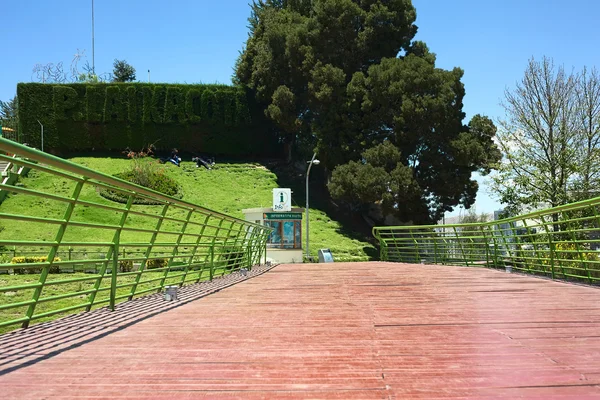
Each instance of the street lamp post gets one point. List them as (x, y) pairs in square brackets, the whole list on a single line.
[(93, 49), (42, 136), (310, 164)]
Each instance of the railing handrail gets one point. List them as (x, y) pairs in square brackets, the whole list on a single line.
[(49, 159), (506, 220), (560, 242), (174, 242)]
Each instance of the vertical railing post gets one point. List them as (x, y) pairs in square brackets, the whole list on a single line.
[(113, 278), (211, 252), (226, 244), (417, 250), (487, 247), (518, 244), (50, 258), (395, 245), (435, 246), (383, 254), (262, 249), (238, 255), (550, 247), (462, 250), (506, 245), (196, 246), (175, 250), (253, 246), (211, 271), (534, 244), (579, 252), (148, 252), (111, 255)]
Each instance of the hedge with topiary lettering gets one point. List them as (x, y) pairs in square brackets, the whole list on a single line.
[(216, 119)]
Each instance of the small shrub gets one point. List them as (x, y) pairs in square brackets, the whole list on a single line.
[(125, 266), (33, 259), (147, 174), (157, 263)]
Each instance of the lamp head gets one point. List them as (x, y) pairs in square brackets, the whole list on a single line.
[(316, 162)]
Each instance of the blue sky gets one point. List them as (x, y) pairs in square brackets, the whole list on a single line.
[(198, 41)]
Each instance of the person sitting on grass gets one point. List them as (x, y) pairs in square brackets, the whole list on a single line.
[(175, 159)]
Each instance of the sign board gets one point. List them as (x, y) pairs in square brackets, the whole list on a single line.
[(282, 199), (282, 216)]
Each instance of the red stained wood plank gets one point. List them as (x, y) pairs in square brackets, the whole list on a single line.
[(325, 331)]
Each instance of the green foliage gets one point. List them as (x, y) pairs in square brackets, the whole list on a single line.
[(382, 177), (157, 263), (94, 96), (471, 217), (208, 100), (9, 112), (123, 72), (550, 138), (228, 188), (88, 77), (568, 260), (193, 100), (30, 259), (174, 106), (147, 175), (358, 184), (329, 75), (196, 118), (144, 171), (65, 103)]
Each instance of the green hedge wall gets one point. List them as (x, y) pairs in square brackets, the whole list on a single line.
[(216, 119)]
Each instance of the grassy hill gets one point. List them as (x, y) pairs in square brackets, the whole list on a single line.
[(228, 188)]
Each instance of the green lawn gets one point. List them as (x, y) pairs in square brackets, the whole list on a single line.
[(228, 188)]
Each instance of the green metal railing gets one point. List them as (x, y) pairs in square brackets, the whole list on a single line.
[(561, 243), (134, 249)]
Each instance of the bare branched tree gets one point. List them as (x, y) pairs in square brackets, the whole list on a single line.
[(588, 99), (55, 73), (50, 73), (539, 138)]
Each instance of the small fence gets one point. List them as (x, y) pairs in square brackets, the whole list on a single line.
[(560, 243), (77, 251)]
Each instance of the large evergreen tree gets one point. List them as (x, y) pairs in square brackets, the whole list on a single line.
[(346, 78)]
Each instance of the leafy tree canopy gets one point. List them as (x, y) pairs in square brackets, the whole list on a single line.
[(123, 72), (347, 76)]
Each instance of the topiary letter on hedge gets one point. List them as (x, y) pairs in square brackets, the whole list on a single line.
[(174, 106), (94, 99), (193, 99), (66, 103), (114, 108), (100, 116)]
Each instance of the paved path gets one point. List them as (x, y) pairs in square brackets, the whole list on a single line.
[(335, 331)]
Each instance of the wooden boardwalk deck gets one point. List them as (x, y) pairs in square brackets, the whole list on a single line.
[(335, 331)]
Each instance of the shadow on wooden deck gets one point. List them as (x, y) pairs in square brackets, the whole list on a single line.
[(25, 347)]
